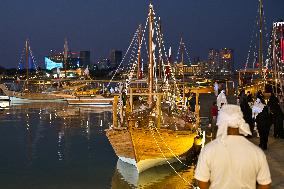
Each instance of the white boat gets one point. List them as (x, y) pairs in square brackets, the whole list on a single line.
[(19, 100), (4, 98), (4, 101)]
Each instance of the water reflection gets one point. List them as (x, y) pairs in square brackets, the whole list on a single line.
[(126, 176), (55, 146), (59, 146)]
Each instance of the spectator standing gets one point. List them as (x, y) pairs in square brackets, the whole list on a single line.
[(231, 161), (249, 99), (247, 112), (260, 95), (277, 116), (263, 121), (216, 88), (242, 96), (213, 119), (221, 99)]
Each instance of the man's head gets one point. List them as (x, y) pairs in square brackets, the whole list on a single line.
[(231, 116)]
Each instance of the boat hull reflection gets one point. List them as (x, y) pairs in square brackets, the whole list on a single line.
[(126, 176)]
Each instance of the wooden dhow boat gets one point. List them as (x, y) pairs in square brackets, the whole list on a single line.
[(89, 95), (148, 128)]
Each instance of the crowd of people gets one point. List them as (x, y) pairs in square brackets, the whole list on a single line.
[(230, 159), (258, 114)]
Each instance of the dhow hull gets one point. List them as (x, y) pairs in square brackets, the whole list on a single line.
[(146, 148)]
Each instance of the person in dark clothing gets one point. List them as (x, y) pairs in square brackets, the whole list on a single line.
[(249, 97), (192, 102), (242, 96), (277, 116), (263, 121), (273, 99), (247, 112), (260, 95)]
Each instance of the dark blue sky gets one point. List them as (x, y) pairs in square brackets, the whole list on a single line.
[(101, 25)]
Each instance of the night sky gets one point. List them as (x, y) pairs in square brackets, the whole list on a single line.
[(102, 25)]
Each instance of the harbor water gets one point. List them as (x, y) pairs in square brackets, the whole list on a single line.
[(53, 145)]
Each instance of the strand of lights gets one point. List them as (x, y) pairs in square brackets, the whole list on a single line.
[(185, 49), (173, 96), (250, 45), (120, 105), (33, 59), (21, 59), (135, 34), (136, 61), (187, 53), (176, 92)]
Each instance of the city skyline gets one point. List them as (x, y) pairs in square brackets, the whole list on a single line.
[(100, 26)]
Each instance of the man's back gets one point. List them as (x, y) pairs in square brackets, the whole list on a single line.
[(232, 163)]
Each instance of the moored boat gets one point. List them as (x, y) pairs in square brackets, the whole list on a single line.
[(4, 101), (97, 100), (149, 128), (136, 146)]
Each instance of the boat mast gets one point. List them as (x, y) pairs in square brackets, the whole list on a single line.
[(182, 50), (139, 52), (182, 57), (260, 54), (160, 54), (151, 58), (65, 56), (27, 61)]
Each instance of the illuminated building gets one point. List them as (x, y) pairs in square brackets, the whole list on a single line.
[(220, 62), (213, 61), (226, 61), (51, 64), (277, 43), (74, 60), (115, 58)]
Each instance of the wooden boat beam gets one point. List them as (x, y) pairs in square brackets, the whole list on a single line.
[(131, 100), (114, 121), (158, 109)]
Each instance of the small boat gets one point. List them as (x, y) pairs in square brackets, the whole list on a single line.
[(4, 101), (96, 100), (18, 99), (4, 98)]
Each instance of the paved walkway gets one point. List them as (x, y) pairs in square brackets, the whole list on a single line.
[(275, 158)]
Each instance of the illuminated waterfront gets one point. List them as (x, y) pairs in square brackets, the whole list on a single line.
[(59, 146)]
